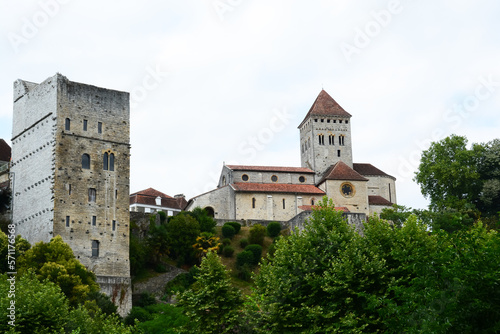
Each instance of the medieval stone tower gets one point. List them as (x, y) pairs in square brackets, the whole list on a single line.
[(70, 158), (325, 135)]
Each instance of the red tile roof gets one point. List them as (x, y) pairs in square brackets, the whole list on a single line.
[(278, 188), (369, 170), (378, 200), (5, 151), (325, 105), (151, 192), (271, 169), (310, 207), (340, 171)]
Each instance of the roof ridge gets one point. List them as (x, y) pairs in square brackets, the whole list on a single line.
[(325, 105)]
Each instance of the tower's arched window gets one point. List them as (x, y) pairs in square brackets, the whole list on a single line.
[(321, 139), (253, 203), (105, 161), (331, 139), (85, 161), (341, 140), (112, 162), (67, 124)]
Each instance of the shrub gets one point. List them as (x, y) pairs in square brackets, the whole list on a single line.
[(160, 268), (257, 234), (228, 251), (243, 243), (228, 231), (237, 226), (245, 272), (226, 241), (273, 229), (146, 299), (245, 257), (271, 249), (256, 252)]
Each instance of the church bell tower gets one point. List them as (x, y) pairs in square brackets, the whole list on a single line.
[(325, 135)]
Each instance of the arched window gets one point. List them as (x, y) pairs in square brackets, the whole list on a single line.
[(253, 203), (321, 139), (112, 162), (105, 161), (312, 201), (92, 195), (331, 139), (85, 161), (67, 124)]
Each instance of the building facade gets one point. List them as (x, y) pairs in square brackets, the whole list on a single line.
[(70, 161), (151, 200), (327, 169)]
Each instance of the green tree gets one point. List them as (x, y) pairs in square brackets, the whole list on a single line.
[(212, 303), (207, 223), (448, 173), (257, 234), (21, 246), (55, 261), (182, 231)]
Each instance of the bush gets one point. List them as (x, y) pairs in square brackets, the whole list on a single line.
[(245, 272), (256, 252), (146, 299), (237, 226), (226, 241), (243, 243), (228, 231), (273, 229), (245, 257), (257, 234), (228, 251), (160, 268)]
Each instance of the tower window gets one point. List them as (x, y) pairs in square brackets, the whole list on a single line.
[(67, 221), (69, 189), (99, 127), (322, 120), (346, 121), (67, 124), (116, 193), (321, 139), (85, 125), (92, 195), (253, 203), (328, 121), (95, 248), (338, 153), (108, 161), (331, 139), (85, 161), (105, 158), (94, 220), (341, 140), (334, 121), (114, 225), (340, 121), (316, 120)]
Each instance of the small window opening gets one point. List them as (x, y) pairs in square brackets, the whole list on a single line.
[(67, 221), (338, 153), (94, 220), (95, 248), (283, 203), (92, 195), (244, 177), (274, 178), (85, 125), (86, 161), (67, 124), (99, 127), (114, 225), (302, 179), (112, 162), (253, 203)]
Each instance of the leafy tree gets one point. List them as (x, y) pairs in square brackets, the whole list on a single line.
[(182, 231), (21, 246), (207, 223), (157, 243), (205, 243), (449, 175), (212, 303), (164, 319), (55, 261)]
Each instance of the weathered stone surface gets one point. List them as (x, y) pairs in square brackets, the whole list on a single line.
[(55, 124)]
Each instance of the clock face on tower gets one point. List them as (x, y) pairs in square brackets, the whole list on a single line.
[(347, 189)]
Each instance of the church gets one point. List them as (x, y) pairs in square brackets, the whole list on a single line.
[(269, 193)]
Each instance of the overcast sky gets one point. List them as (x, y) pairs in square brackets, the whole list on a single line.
[(216, 81)]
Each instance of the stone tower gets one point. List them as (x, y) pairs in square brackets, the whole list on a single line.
[(70, 158), (325, 135)]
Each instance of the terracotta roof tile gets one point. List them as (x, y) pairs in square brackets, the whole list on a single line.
[(340, 171), (369, 170), (378, 200), (325, 105), (151, 192), (278, 188), (271, 169), (310, 207)]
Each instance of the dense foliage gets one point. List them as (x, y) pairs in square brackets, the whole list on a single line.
[(273, 229), (257, 234), (212, 303)]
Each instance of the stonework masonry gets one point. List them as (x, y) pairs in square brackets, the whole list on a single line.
[(70, 158)]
